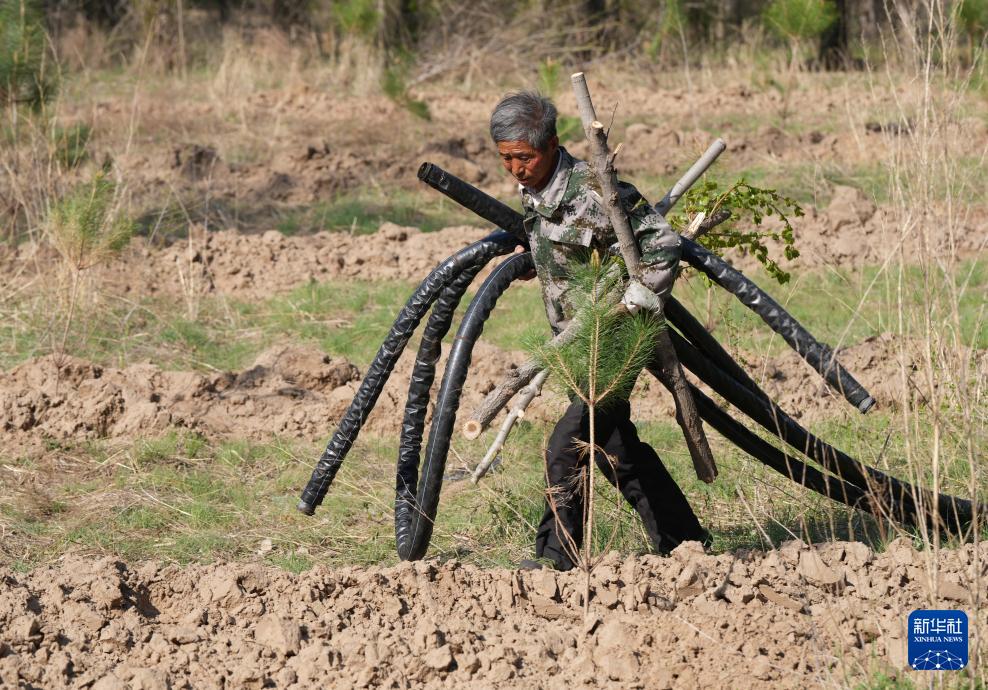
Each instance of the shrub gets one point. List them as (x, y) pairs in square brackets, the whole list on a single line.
[(972, 18), (86, 227), (800, 20), (357, 18), (27, 74), (71, 144), (394, 85)]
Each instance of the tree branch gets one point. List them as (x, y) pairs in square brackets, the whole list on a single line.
[(708, 224), (671, 373)]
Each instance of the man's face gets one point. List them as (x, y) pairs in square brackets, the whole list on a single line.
[(530, 166)]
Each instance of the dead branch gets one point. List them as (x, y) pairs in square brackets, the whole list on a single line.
[(517, 412), (498, 398), (707, 224)]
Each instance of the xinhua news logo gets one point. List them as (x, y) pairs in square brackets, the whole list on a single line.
[(937, 640)]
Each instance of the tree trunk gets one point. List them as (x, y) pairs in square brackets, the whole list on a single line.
[(834, 42)]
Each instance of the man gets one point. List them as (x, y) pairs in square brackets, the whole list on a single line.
[(565, 220)]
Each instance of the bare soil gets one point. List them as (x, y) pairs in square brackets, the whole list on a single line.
[(749, 619), (300, 392)]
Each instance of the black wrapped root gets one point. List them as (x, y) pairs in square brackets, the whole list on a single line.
[(380, 369), (415, 515), (420, 386), (886, 495), (818, 355)]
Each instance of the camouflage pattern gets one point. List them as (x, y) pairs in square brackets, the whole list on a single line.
[(567, 220)]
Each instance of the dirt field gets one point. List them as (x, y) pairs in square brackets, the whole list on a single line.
[(746, 619), (281, 224)]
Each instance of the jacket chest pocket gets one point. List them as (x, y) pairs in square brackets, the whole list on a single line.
[(566, 234)]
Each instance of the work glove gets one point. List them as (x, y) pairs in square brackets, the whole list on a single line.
[(637, 296)]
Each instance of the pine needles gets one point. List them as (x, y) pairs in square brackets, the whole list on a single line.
[(86, 227), (599, 365), (26, 72)]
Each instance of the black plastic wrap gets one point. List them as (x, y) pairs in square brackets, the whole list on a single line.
[(414, 519), (420, 385), (378, 372), (786, 465), (680, 317), (818, 355), (468, 196), (954, 513)]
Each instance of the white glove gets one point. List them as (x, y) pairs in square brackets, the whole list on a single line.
[(637, 296)]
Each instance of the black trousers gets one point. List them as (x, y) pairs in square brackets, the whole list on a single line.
[(637, 471)]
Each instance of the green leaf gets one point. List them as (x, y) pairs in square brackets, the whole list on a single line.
[(747, 204)]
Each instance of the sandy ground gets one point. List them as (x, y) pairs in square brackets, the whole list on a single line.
[(794, 617)]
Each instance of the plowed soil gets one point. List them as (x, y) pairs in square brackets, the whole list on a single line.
[(750, 619), (300, 392)]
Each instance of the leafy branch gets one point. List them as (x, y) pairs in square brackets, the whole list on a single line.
[(746, 204)]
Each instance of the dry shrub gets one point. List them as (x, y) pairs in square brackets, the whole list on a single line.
[(929, 181)]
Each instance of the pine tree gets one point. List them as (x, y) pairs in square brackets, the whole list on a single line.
[(599, 365), (27, 74)]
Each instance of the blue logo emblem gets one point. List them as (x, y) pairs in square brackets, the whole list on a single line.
[(937, 640)]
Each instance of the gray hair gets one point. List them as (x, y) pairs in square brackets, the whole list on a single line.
[(526, 116)]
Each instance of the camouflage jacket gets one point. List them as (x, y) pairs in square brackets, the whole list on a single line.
[(567, 219)]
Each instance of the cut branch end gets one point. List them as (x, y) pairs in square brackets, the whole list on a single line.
[(472, 429)]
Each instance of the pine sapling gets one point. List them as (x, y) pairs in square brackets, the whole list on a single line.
[(87, 228), (599, 366)]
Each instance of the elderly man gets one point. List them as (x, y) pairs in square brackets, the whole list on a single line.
[(565, 219)]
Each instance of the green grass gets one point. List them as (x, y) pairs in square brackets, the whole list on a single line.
[(345, 318), (844, 307), (519, 315), (350, 318), (182, 498)]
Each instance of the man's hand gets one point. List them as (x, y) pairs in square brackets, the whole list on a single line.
[(637, 296), (531, 274)]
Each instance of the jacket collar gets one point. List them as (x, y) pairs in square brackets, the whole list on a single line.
[(547, 201)]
